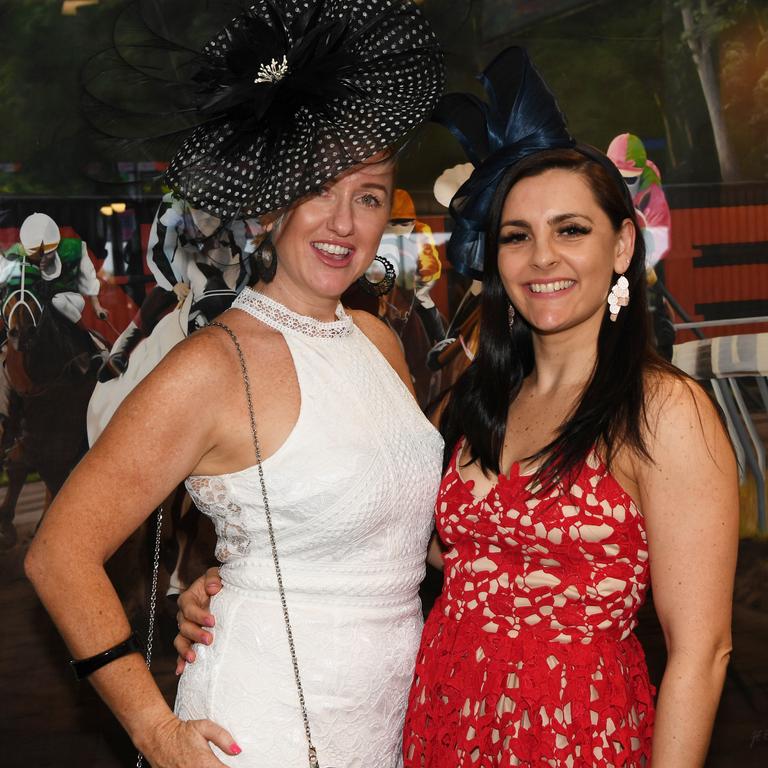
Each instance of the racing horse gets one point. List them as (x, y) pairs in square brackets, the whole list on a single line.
[(49, 371)]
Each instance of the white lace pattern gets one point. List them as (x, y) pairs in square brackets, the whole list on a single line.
[(352, 493), (282, 319)]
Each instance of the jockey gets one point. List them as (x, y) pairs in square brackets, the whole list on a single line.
[(53, 266), (57, 267), (410, 246), (643, 179), (183, 244)]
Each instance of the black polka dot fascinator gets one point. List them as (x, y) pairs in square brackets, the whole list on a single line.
[(287, 95), (519, 118)]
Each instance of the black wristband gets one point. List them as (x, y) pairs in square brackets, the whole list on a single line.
[(84, 667)]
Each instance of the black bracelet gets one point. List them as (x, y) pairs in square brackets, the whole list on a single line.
[(84, 667)]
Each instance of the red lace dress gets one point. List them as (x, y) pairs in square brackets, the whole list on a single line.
[(528, 657)]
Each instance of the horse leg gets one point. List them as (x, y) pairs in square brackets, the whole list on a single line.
[(196, 541), (171, 549), (17, 468), (184, 533), (198, 555)]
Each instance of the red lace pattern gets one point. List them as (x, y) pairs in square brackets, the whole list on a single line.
[(528, 657)]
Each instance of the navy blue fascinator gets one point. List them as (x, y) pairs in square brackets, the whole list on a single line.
[(520, 117)]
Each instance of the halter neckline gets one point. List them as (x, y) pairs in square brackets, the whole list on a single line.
[(278, 316)]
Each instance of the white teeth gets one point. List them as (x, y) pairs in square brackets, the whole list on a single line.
[(560, 285), (333, 250)]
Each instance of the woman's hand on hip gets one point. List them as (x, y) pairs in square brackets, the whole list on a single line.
[(184, 743), (194, 618)]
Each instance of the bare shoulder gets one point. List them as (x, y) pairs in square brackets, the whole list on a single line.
[(683, 423), (674, 400), (203, 359), (196, 367), (385, 340), (377, 331)]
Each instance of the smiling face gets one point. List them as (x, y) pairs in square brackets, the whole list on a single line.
[(327, 241), (558, 251)]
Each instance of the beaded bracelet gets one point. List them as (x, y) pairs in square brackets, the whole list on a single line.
[(84, 667)]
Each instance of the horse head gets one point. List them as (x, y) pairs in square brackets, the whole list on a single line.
[(44, 349), (21, 313)]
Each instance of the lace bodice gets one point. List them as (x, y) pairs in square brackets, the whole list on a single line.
[(353, 485)]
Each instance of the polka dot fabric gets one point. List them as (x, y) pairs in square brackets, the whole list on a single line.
[(528, 657), (397, 82)]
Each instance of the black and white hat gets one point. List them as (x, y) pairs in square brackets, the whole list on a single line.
[(293, 92), (286, 96)]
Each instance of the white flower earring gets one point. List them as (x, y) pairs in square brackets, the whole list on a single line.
[(618, 297)]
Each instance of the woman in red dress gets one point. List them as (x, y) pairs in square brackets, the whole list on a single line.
[(581, 468)]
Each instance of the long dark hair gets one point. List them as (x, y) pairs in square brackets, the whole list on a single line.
[(611, 409)]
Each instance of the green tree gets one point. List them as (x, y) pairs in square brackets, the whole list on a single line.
[(703, 23)]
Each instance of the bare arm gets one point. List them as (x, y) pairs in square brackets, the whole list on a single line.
[(111, 492), (689, 498), (435, 553), (101, 313)]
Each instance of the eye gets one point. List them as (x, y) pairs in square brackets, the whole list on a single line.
[(513, 238), (574, 230), (370, 201)]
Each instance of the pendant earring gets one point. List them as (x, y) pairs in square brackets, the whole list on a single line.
[(511, 316), (385, 284), (265, 260), (618, 297)]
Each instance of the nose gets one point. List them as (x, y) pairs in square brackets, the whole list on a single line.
[(543, 254), (341, 218)]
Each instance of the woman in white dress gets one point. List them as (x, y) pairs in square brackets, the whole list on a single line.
[(351, 468)]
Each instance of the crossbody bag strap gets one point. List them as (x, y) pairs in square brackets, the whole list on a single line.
[(313, 761)]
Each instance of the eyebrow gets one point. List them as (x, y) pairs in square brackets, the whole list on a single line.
[(561, 217), (373, 185)]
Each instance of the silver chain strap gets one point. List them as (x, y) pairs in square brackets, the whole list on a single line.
[(313, 761), (152, 603)]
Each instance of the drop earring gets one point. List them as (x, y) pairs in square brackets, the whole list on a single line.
[(265, 260), (385, 284), (618, 297), (511, 316)]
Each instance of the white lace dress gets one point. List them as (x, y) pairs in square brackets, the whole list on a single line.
[(352, 493)]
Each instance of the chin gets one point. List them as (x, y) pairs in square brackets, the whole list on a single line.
[(333, 286), (552, 324), (548, 323)]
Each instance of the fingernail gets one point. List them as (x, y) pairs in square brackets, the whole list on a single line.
[(208, 621), (178, 671), (234, 749), (190, 657)]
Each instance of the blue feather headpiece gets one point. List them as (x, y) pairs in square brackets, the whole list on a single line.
[(521, 117)]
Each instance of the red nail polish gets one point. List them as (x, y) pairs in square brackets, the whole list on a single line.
[(234, 749)]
